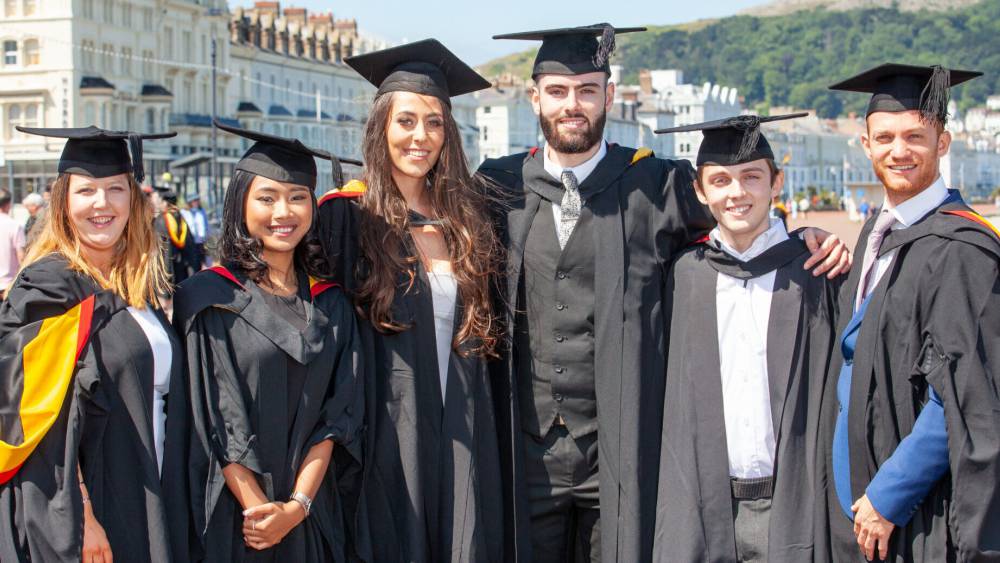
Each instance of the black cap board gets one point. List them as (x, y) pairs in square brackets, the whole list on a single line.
[(898, 87), (573, 50), (424, 67), (279, 158), (734, 140), (99, 153)]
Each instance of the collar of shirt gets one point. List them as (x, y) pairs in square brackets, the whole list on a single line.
[(915, 208), (581, 171), (773, 235)]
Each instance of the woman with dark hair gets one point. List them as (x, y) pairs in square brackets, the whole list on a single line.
[(272, 377), (425, 256), (87, 360)]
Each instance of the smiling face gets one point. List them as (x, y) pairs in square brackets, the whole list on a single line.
[(278, 213), (739, 197), (414, 133), (572, 110), (98, 211), (905, 151)]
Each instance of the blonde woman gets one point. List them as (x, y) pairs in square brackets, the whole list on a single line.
[(87, 360)]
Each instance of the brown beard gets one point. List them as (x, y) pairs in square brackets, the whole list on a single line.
[(925, 179), (573, 143)]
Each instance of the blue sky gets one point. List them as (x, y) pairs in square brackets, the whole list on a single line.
[(465, 26)]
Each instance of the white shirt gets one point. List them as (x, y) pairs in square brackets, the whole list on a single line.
[(198, 223), (159, 343), (906, 213), (743, 310), (444, 290), (581, 171)]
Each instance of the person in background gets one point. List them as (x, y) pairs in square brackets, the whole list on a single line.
[(779, 211), (34, 204), (11, 244), (176, 234), (197, 221)]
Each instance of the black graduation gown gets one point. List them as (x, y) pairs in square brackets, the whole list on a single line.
[(105, 425), (932, 320), (694, 519), (644, 212), (432, 488), (238, 357)]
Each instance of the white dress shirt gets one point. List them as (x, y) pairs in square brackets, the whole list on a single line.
[(581, 171), (743, 310), (906, 213), (163, 357), (444, 292)]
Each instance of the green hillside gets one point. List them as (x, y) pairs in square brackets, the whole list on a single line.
[(790, 59)]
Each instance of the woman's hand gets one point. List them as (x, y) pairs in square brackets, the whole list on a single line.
[(266, 525), (96, 548)]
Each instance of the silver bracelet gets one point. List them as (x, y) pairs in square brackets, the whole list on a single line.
[(302, 499)]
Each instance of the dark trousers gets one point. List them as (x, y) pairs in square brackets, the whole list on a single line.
[(751, 519), (563, 497)]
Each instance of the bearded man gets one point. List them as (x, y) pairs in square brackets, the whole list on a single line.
[(590, 230)]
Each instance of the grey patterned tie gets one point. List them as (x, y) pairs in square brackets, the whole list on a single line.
[(569, 208), (882, 225)]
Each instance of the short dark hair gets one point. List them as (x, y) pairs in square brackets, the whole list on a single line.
[(771, 166), (5, 198), (237, 249)]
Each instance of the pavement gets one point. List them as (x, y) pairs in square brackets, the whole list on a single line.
[(838, 223)]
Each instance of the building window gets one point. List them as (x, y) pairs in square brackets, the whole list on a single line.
[(126, 14), (30, 7), (150, 119), (130, 119), (90, 115), (10, 52), (31, 52), (88, 9), (10, 8), (108, 11), (487, 109), (486, 132), (126, 61), (168, 39), (109, 58), (186, 46), (147, 65), (31, 115)]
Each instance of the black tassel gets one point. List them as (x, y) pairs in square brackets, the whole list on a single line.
[(934, 98), (606, 47), (135, 150), (338, 172), (750, 125)]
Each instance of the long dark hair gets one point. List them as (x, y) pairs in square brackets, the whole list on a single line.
[(237, 249), (387, 252)]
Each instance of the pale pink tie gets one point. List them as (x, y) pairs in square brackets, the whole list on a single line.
[(882, 224)]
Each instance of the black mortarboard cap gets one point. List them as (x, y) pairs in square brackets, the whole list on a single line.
[(279, 158), (897, 87), (99, 153), (734, 140), (425, 67), (573, 50)]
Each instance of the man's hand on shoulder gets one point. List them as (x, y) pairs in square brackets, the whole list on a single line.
[(830, 255)]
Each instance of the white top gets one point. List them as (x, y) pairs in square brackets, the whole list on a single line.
[(907, 213), (159, 343), (743, 311), (581, 171), (444, 290)]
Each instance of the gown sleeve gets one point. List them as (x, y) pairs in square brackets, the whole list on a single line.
[(959, 359), (685, 219), (221, 432), (343, 412)]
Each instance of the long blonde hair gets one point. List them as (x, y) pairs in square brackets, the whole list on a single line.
[(137, 274)]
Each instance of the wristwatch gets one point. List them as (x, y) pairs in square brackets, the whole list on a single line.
[(302, 499)]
